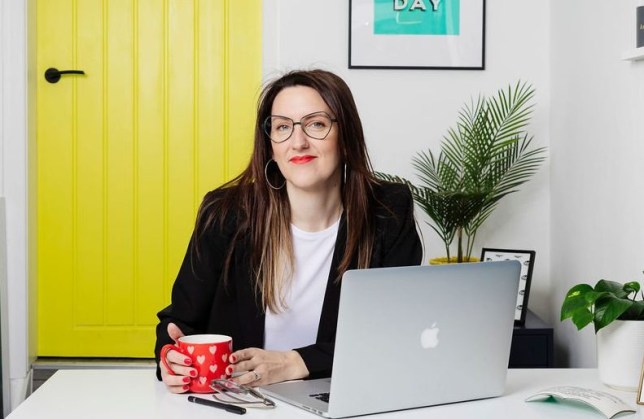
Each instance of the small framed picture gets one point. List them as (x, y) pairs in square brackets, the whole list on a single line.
[(526, 258), (640, 391)]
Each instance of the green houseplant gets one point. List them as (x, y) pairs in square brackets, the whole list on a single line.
[(618, 317), (485, 157), (606, 302)]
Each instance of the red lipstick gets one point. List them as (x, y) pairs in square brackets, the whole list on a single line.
[(301, 159)]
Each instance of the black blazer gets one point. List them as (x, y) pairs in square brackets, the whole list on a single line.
[(201, 303)]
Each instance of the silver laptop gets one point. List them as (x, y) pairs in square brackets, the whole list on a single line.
[(415, 336)]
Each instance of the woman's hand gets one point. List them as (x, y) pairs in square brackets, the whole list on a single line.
[(179, 381), (260, 367)]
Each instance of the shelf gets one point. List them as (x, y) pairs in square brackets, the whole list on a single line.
[(634, 54)]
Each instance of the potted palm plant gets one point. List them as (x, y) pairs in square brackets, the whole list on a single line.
[(485, 157), (618, 317)]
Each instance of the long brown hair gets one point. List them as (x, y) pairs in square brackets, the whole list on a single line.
[(263, 213)]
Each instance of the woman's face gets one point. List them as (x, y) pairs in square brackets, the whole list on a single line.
[(307, 164)]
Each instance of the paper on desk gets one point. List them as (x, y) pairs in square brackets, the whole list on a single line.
[(605, 403)]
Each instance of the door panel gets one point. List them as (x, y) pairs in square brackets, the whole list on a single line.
[(125, 153)]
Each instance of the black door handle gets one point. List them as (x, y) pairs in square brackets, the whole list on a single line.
[(52, 75)]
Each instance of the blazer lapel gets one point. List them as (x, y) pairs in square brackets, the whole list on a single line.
[(329, 315), (251, 316)]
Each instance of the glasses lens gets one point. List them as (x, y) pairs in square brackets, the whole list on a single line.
[(317, 125), (229, 392), (223, 385), (278, 128)]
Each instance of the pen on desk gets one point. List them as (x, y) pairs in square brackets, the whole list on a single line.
[(227, 407)]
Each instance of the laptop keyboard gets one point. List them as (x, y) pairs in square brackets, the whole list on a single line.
[(321, 396)]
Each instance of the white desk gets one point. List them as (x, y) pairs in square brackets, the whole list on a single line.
[(135, 393)]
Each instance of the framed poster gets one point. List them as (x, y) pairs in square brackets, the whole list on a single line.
[(417, 34), (526, 258)]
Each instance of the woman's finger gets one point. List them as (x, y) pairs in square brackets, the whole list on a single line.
[(176, 357), (180, 364), (243, 360), (175, 383), (242, 366), (243, 355), (251, 378), (174, 332), (179, 380)]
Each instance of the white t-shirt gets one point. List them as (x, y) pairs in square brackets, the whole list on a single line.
[(297, 325)]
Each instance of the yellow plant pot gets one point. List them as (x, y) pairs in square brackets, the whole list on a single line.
[(443, 260)]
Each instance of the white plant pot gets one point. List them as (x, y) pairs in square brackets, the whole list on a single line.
[(620, 351)]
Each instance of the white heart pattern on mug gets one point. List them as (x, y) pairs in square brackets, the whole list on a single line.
[(224, 357), (201, 358), (213, 368), (202, 380), (190, 349), (212, 349)]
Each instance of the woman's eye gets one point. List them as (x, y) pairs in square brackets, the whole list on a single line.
[(318, 124)]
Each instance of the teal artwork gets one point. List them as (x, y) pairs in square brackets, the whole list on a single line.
[(416, 17)]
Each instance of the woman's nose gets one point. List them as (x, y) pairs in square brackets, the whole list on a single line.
[(299, 139)]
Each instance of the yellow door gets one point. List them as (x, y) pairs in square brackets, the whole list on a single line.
[(164, 113)]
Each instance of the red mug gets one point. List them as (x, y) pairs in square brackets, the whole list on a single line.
[(209, 355)]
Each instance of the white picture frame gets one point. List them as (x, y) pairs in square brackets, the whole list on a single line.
[(411, 34), (526, 258)]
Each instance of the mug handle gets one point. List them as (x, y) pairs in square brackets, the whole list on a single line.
[(163, 355)]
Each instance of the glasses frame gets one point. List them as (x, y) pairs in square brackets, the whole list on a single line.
[(227, 391), (267, 124)]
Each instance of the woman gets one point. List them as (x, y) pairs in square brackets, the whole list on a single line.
[(265, 261)]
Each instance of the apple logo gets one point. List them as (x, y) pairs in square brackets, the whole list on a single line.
[(429, 337)]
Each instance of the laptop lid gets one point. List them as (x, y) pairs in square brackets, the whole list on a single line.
[(417, 336)]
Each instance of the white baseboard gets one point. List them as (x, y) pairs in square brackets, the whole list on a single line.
[(20, 389)]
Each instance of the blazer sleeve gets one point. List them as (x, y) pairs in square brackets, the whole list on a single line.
[(194, 287)]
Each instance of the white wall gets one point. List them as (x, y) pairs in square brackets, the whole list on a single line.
[(597, 148), (13, 182), (405, 111)]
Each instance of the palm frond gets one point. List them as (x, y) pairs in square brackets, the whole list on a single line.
[(486, 156)]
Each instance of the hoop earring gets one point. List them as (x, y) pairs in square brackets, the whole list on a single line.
[(266, 176), (345, 174)]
